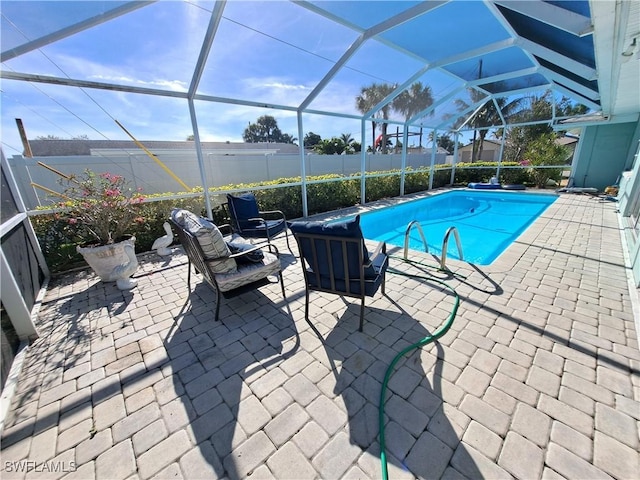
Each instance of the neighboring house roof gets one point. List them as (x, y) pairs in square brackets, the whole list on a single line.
[(63, 148), (424, 150), (567, 141)]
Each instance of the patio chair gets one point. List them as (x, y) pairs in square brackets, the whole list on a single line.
[(229, 264), (248, 221), (336, 261)]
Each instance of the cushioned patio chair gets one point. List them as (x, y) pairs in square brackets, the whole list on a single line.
[(248, 221), (229, 264), (336, 260)]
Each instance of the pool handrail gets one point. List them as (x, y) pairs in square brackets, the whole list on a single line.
[(406, 237), (445, 244)]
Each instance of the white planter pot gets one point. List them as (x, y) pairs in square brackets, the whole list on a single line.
[(113, 263)]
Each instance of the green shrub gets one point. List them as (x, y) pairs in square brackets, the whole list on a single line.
[(483, 171), (377, 188), (416, 181), (58, 240)]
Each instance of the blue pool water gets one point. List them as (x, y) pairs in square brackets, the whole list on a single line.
[(488, 222)]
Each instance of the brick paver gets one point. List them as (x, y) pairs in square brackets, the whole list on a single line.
[(537, 378)]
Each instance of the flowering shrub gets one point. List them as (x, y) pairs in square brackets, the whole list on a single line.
[(102, 207)]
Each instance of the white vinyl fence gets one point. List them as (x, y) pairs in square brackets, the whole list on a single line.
[(220, 169)]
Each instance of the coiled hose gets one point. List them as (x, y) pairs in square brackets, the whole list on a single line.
[(426, 340)]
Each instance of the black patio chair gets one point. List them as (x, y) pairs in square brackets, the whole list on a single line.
[(335, 260), (229, 264), (248, 221)]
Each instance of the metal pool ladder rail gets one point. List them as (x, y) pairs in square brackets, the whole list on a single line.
[(445, 242), (406, 237)]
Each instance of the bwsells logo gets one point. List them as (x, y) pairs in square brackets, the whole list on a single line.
[(26, 466)]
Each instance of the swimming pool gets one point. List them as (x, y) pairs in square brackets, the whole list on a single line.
[(488, 222)]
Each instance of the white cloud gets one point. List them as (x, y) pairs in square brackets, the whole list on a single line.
[(172, 85), (285, 86)]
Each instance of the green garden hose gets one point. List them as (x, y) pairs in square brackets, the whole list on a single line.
[(426, 340)]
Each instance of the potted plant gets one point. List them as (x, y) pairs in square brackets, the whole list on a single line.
[(103, 207)]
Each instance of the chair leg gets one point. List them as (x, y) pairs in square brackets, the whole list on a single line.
[(217, 305), (189, 276), (306, 304), (361, 315), (384, 280)]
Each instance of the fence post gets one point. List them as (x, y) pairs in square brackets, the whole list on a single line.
[(434, 144), (455, 158), (303, 170), (363, 160)]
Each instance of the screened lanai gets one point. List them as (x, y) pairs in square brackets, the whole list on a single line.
[(387, 75)]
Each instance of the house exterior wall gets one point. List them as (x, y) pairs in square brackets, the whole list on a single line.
[(603, 155), (629, 201), (490, 152)]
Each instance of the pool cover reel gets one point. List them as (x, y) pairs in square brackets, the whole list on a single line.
[(426, 340)]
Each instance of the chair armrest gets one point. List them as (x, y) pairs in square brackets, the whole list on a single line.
[(225, 226), (269, 246), (381, 249), (244, 252), (271, 212)]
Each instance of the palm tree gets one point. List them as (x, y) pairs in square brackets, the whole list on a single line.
[(369, 97), (346, 138), (365, 102), (488, 116), (413, 101), (434, 138)]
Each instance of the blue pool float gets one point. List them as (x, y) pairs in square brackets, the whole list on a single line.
[(496, 186), (488, 186)]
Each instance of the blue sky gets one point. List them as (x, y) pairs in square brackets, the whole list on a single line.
[(273, 52)]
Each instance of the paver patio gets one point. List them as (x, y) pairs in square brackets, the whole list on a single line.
[(537, 378)]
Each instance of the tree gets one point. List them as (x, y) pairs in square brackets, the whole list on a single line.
[(286, 138), (266, 130), (55, 137), (191, 138), (369, 97), (414, 100), (347, 138), (48, 137), (445, 141), (332, 146), (311, 139), (545, 151), (518, 139), (349, 142), (488, 116)]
